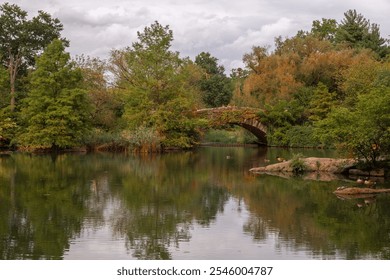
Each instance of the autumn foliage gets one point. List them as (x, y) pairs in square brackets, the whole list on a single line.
[(146, 94)]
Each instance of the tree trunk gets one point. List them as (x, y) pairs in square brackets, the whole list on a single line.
[(13, 70), (12, 82)]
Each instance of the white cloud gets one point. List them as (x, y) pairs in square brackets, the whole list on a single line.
[(226, 29), (282, 26)]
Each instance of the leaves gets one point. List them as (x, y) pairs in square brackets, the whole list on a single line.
[(358, 32), (56, 109), (216, 88), (364, 130), (22, 39), (157, 86)]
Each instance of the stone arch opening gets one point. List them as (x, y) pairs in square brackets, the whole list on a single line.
[(244, 117), (260, 135)]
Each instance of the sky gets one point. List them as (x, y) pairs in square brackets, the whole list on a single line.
[(226, 29)]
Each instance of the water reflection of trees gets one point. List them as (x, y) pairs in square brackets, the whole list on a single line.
[(155, 200), (159, 205), (42, 201), (48, 201), (307, 216)]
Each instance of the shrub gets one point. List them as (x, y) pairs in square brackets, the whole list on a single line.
[(142, 139), (301, 136), (298, 165)]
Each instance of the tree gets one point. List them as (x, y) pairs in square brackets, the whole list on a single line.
[(55, 111), (364, 130), (22, 39), (216, 88), (327, 67), (154, 82), (356, 31), (325, 29), (274, 79), (278, 118), (321, 102), (4, 82), (107, 106), (359, 78)]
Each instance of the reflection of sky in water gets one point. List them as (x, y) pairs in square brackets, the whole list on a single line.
[(98, 243), (222, 239)]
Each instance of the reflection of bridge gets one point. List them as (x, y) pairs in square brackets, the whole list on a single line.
[(245, 117)]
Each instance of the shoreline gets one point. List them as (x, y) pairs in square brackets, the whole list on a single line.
[(315, 165)]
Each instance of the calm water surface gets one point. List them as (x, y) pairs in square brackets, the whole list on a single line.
[(194, 205)]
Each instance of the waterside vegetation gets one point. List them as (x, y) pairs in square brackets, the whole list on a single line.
[(326, 87)]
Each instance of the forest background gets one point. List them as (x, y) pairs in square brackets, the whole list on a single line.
[(326, 87)]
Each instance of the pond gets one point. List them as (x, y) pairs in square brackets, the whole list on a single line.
[(202, 204)]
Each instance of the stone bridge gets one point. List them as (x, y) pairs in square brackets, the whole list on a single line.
[(245, 117)]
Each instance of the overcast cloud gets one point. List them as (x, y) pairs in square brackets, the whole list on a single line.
[(226, 29)]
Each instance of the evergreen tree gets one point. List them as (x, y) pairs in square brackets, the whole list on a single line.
[(55, 111), (356, 31), (321, 102)]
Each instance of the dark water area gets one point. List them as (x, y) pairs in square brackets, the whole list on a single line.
[(202, 204)]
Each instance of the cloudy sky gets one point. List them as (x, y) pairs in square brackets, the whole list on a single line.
[(227, 29)]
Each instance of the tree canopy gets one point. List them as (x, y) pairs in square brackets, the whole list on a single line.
[(216, 87), (155, 84), (357, 31), (56, 107), (144, 96), (21, 39), (324, 78)]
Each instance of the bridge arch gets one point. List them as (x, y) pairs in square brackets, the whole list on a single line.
[(246, 117)]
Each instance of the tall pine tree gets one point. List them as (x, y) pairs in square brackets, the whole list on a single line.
[(356, 31)]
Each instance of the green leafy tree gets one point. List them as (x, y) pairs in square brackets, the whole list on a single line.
[(278, 119), (155, 84), (216, 87), (364, 130), (3, 86), (106, 103), (8, 127), (321, 102), (325, 29), (360, 78), (56, 110), (21, 39)]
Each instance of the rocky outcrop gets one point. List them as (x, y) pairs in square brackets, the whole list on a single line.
[(312, 164)]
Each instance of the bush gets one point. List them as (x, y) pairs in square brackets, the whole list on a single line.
[(142, 139), (99, 139), (298, 165), (301, 136)]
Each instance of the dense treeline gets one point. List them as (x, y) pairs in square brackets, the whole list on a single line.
[(326, 87), (329, 86)]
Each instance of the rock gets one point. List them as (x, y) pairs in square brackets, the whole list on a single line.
[(313, 164)]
